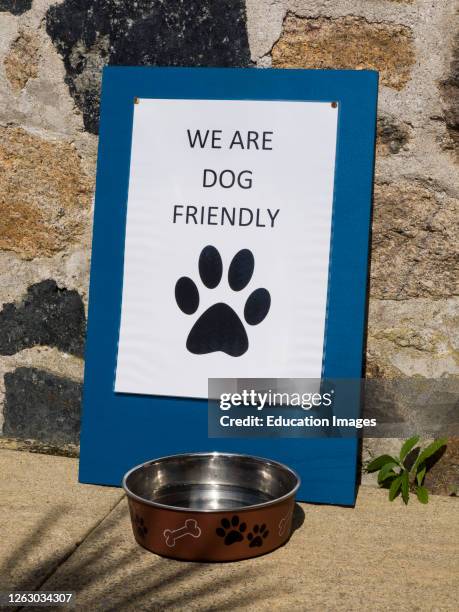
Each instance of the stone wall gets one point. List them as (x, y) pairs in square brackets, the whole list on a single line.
[(51, 55)]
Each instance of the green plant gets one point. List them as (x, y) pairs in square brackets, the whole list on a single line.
[(406, 472)]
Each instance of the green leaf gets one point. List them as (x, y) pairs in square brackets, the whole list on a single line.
[(386, 471), (423, 495), (429, 451), (394, 488), (407, 446), (377, 463), (405, 487), (421, 473)]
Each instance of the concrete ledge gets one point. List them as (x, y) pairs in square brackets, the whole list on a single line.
[(377, 556), (44, 515), (60, 535)]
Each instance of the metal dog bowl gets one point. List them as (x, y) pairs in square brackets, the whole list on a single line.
[(211, 506)]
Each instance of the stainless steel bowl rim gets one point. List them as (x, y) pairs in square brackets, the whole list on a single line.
[(158, 505)]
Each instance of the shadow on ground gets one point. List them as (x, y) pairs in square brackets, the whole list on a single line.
[(298, 517), (25, 568), (109, 571)]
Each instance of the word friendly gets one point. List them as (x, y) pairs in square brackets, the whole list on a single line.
[(224, 215)]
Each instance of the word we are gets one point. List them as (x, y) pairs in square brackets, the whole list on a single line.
[(242, 141), (212, 139)]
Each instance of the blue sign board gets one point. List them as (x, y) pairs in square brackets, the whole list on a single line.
[(260, 179)]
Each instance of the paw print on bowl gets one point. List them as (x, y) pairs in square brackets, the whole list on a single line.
[(140, 526), (232, 530), (258, 534)]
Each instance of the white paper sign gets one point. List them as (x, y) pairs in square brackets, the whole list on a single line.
[(227, 243)]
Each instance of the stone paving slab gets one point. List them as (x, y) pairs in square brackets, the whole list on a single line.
[(376, 556), (44, 515)]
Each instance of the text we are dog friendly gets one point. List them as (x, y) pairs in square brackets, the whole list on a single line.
[(227, 178)]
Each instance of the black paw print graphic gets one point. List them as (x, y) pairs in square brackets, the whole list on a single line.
[(231, 531), (257, 535), (219, 328), (142, 530)]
